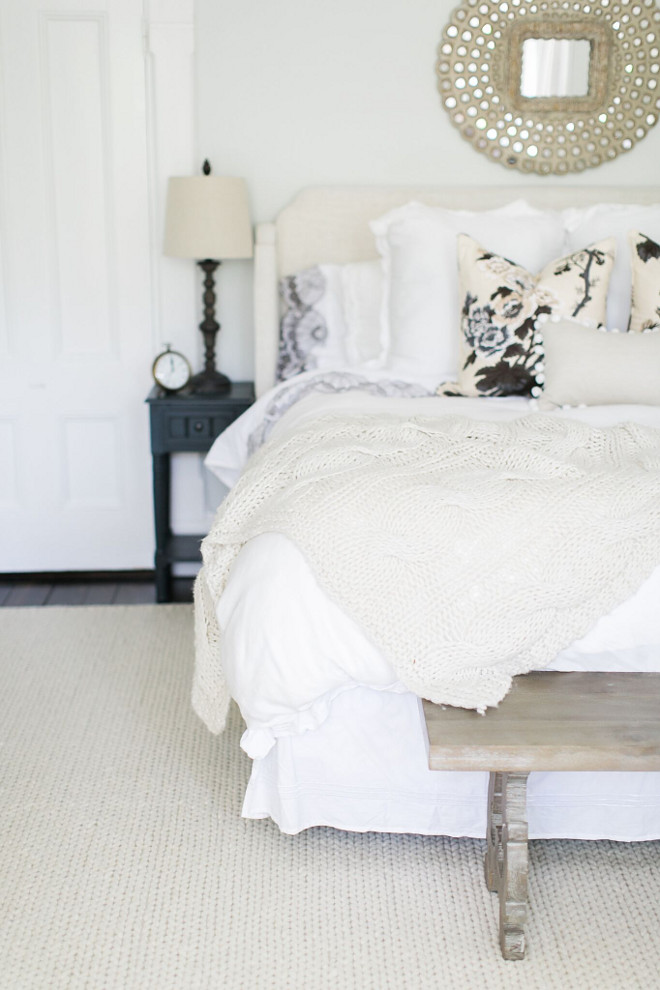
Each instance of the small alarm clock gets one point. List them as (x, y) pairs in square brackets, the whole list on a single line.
[(171, 370)]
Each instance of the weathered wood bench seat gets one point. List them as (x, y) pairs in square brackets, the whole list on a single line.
[(548, 721)]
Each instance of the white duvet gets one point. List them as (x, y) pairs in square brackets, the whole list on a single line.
[(290, 651)]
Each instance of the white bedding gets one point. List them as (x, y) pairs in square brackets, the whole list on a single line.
[(301, 670), (365, 770)]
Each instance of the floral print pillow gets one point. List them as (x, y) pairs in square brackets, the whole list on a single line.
[(645, 301), (503, 306)]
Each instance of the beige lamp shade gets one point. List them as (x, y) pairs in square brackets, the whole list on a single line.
[(207, 216)]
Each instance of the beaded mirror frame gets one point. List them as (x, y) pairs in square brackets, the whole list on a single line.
[(479, 72)]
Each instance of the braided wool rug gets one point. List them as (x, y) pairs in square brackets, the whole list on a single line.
[(124, 862)]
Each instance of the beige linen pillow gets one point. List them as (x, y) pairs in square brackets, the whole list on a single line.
[(645, 301), (503, 306), (593, 367)]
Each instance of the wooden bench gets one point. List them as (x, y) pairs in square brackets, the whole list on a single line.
[(548, 721)]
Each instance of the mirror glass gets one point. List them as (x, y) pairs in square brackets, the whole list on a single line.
[(555, 67)]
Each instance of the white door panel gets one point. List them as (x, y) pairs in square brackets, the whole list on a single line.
[(77, 345)]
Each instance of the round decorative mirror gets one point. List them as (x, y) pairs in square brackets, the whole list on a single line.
[(551, 86)]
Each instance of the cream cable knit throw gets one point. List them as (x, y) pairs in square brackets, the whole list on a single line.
[(469, 551)]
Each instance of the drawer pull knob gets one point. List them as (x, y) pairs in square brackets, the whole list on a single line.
[(199, 426)]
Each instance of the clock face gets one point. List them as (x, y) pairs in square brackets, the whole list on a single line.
[(171, 370)]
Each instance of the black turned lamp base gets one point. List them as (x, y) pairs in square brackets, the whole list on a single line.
[(209, 382)]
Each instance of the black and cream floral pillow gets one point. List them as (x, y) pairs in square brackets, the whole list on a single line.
[(645, 299), (503, 305), (312, 327)]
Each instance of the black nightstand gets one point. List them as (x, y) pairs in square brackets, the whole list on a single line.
[(183, 422)]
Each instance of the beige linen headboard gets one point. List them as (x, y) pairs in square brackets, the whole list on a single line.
[(331, 224)]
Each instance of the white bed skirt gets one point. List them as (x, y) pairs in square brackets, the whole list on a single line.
[(365, 769)]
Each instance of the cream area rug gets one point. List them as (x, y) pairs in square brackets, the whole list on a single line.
[(124, 862)]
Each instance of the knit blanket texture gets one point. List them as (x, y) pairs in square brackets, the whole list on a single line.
[(468, 551)]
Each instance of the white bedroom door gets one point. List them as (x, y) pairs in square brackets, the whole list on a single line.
[(75, 321)]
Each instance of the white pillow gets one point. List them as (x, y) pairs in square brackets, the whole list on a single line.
[(418, 246), (362, 293), (593, 367), (583, 226)]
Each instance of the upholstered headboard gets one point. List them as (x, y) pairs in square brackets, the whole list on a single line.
[(331, 224)]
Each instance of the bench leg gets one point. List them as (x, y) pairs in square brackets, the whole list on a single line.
[(493, 861), (506, 858)]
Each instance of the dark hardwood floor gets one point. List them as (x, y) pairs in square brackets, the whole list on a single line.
[(16, 593)]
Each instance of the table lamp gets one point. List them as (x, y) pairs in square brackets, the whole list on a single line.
[(207, 218)]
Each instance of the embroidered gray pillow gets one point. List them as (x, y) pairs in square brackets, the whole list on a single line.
[(312, 327), (503, 306)]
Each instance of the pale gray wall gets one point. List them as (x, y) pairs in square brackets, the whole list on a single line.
[(292, 93)]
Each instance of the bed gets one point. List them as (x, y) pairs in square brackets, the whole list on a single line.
[(334, 733)]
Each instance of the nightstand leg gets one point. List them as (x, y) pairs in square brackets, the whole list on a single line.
[(161, 476), (163, 579)]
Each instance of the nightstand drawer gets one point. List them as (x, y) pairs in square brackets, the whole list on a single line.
[(201, 427), (191, 423)]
